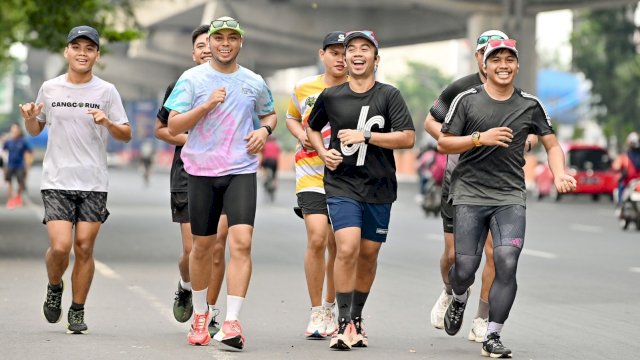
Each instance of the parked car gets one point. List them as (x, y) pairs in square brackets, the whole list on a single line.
[(590, 165)]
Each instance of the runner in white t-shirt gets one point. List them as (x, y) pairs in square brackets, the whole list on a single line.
[(82, 111)]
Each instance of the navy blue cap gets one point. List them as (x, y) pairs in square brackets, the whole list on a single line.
[(85, 32)]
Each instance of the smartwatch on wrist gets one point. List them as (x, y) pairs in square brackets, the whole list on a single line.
[(367, 136)]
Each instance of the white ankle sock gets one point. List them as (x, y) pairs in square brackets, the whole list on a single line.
[(234, 305), (493, 327), (327, 305), (199, 300), (185, 285)]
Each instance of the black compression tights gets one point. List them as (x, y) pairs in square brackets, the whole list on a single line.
[(507, 224), (505, 285)]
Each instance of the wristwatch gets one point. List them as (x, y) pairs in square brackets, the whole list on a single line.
[(475, 137), (367, 136)]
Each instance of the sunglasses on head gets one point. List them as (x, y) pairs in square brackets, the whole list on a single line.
[(506, 42), (366, 32), (485, 39), (220, 23)]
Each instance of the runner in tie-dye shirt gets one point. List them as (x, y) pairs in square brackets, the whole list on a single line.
[(217, 103)]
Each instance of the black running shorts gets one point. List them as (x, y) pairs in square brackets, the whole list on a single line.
[(312, 202), (208, 195), (446, 212), (180, 207)]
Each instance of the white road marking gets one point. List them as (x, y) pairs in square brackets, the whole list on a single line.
[(158, 305), (634, 269), (106, 271), (586, 228), (541, 254)]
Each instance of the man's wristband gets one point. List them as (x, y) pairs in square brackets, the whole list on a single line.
[(269, 129)]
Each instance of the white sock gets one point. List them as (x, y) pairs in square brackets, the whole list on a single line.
[(234, 305), (493, 327), (199, 300), (327, 305), (461, 298), (185, 285), (212, 307)]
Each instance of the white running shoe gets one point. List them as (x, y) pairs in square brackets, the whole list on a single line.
[(478, 330), (439, 308), (330, 320), (316, 328)]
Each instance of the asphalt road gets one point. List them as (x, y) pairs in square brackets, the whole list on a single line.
[(578, 279)]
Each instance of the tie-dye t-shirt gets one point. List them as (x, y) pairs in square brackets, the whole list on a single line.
[(216, 145)]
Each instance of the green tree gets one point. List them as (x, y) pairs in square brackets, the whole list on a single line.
[(605, 51), (420, 86), (44, 24)]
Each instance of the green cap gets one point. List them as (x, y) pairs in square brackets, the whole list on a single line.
[(225, 22)]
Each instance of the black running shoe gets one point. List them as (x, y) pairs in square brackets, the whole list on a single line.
[(453, 316), (76, 322), (493, 347), (51, 308), (182, 306)]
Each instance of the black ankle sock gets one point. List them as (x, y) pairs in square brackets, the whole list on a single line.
[(77, 307), (344, 305), (56, 288), (359, 298)]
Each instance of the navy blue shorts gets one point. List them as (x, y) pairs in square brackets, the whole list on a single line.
[(372, 219)]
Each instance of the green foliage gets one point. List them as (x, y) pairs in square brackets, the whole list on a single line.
[(578, 133), (44, 24), (420, 87), (604, 50)]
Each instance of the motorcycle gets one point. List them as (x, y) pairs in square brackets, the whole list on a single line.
[(630, 208), (432, 195)]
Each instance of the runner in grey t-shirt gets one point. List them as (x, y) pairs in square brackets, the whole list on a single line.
[(488, 125), (82, 111)]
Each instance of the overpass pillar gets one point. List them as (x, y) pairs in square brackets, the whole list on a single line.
[(518, 27)]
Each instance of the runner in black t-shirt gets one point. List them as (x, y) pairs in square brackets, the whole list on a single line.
[(182, 307), (368, 120), (488, 126)]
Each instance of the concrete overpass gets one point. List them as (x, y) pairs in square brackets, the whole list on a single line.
[(287, 33)]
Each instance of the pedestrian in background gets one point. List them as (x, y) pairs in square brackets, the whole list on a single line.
[(17, 149)]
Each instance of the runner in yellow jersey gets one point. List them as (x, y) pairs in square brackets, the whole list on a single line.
[(310, 188)]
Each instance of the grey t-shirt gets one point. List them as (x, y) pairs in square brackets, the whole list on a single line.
[(493, 175), (76, 155)]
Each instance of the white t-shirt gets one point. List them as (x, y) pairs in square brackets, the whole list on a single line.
[(76, 156)]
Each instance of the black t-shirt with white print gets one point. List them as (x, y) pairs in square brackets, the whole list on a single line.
[(367, 172), (439, 111), (179, 177), (493, 175)]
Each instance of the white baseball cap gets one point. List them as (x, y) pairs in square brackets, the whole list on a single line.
[(484, 38)]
